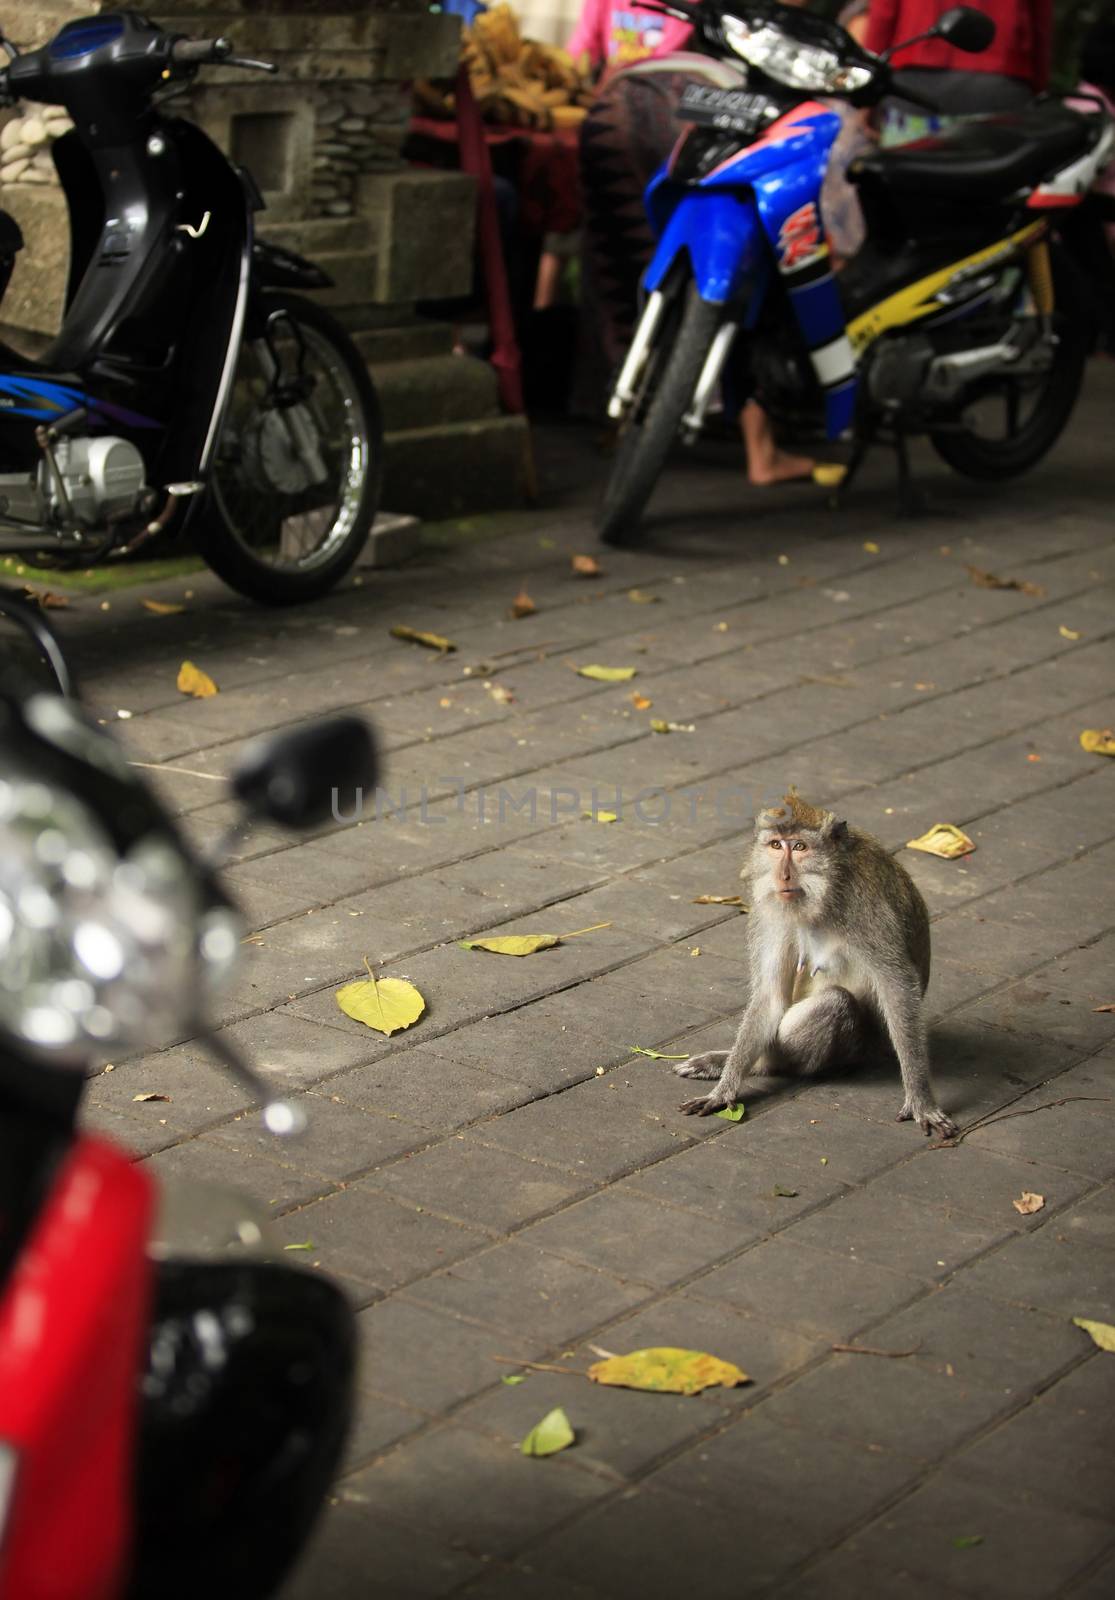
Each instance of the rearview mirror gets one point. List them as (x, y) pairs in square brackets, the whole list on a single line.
[(292, 778), (966, 29)]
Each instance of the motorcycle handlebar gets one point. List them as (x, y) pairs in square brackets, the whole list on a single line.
[(213, 52)]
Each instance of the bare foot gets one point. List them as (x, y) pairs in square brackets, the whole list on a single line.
[(778, 467)]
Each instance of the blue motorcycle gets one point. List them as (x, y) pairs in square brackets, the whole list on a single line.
[(947, 321)]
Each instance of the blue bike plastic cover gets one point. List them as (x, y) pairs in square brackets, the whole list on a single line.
[(81, 38)]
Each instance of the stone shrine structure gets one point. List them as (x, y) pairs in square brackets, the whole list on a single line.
[(322, 139)]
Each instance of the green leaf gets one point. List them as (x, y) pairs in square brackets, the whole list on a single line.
[(782, 1193), (657, 1055), (1103, 1333), (608, 674), (432, 641), (309, 1244), (547, 1437), (967, 1541), (512, 1378), (732, 1113)]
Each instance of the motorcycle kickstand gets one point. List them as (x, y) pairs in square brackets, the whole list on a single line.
[(863, 442), (912, 501)]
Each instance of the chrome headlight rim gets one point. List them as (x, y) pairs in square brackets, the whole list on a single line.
[(815, 69)]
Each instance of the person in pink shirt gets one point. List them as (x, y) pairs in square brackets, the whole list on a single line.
[(616, 35)]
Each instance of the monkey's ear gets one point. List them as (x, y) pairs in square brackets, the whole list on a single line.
[(838, 833)]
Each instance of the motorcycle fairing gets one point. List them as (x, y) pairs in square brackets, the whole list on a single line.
[(23, 395), (761, 201), (919, 299)]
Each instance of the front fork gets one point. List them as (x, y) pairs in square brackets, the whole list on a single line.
[(626, 389)]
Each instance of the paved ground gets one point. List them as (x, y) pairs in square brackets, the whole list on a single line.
[(508, 1179)]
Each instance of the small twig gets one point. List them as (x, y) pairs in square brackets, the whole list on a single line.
[(869, 1350), (538, 1366), (593, 929), (1002, 1116)]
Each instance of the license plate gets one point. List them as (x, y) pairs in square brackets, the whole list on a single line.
[(734, 110)]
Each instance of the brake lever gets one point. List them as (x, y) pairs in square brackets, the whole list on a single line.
[(248, 63)]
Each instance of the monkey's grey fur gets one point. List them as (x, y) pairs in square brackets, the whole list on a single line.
[(839, 946)]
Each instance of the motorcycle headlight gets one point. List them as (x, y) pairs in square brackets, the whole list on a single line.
[(97, 949), (791, 62)]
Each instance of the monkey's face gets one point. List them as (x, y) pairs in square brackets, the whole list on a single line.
[(789, 869), (787, 854)]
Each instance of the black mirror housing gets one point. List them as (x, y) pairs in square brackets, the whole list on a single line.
[(966, 29), (292, 778)]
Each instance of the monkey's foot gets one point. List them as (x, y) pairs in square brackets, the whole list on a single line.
[(930, 1119), (708, 1065), (707, 1105)]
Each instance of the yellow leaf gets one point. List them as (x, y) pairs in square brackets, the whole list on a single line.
[(1097, 742), (501, 693), (523, 605), (608, 674), (517, 944), (547, 1437), (432, 641), (658, 726), (666, 1370), (942, 840), (162, 608), (385, 1004), (720, 900), (642, 598), (1068, 633), (829, 474), (783, 561), (587, 567), (1028, 1202), (871, 547), (640, 702), (599, 816), (191, 680), (142, 1099), (1102, 1332)]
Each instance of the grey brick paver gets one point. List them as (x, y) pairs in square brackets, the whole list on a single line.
[(579, 1208)]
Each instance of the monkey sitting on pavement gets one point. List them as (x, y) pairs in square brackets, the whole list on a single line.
[(839, 945)]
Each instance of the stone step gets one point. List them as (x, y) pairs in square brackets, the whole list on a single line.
[(459, 467), (424, 393), (355, 275), (413, 340), (316, 236)]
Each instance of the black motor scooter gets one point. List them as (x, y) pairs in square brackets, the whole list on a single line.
[(187, 382)]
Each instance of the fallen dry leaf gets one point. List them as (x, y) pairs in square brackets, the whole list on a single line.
[(607, 674), (665, 1369), (599, 816), (943, 839), (547, 1437), (642, 598), (658, 726), (1110, 1007), (871, 547), (513, 944), (780, 1192), (990, 580), (720, 900), (305, 1244), (162, 608), (587, 567), (46, 599), (191, 680), (1068, 633), (640, 702), (386, 1004), (1028, 1202), (143, 1099), (432, 641), (657, 1055), (1102, 1333), (783, 561), (522, 605), (501, 693), (1098, 742), (445, 702)]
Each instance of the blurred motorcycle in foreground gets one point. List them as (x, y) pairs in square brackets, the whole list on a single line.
[(173, 1396)]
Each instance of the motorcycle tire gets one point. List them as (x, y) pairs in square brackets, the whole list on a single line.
[(646, 439), (992, 460), (243, 490)]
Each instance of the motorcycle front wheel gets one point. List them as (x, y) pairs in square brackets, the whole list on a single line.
[(673, 366), (296, 477), (1011, 423)]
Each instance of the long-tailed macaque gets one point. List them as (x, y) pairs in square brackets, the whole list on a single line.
[(839, 945)]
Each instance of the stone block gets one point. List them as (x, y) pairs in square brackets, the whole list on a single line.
[(424, 223), (446, 471), (436, 389)]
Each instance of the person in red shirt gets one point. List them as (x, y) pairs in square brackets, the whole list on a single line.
[(1013, 68)]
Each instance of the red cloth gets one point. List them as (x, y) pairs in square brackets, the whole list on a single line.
[(1021, 48)]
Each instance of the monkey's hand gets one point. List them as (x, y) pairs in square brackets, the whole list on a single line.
[(709, 1065), (707, 1105), (929, 1118)]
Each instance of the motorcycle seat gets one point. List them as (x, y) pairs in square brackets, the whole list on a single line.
[(983, 158)]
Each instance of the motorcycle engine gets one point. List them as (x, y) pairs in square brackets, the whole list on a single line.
[(103, 476), (898, 368)]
